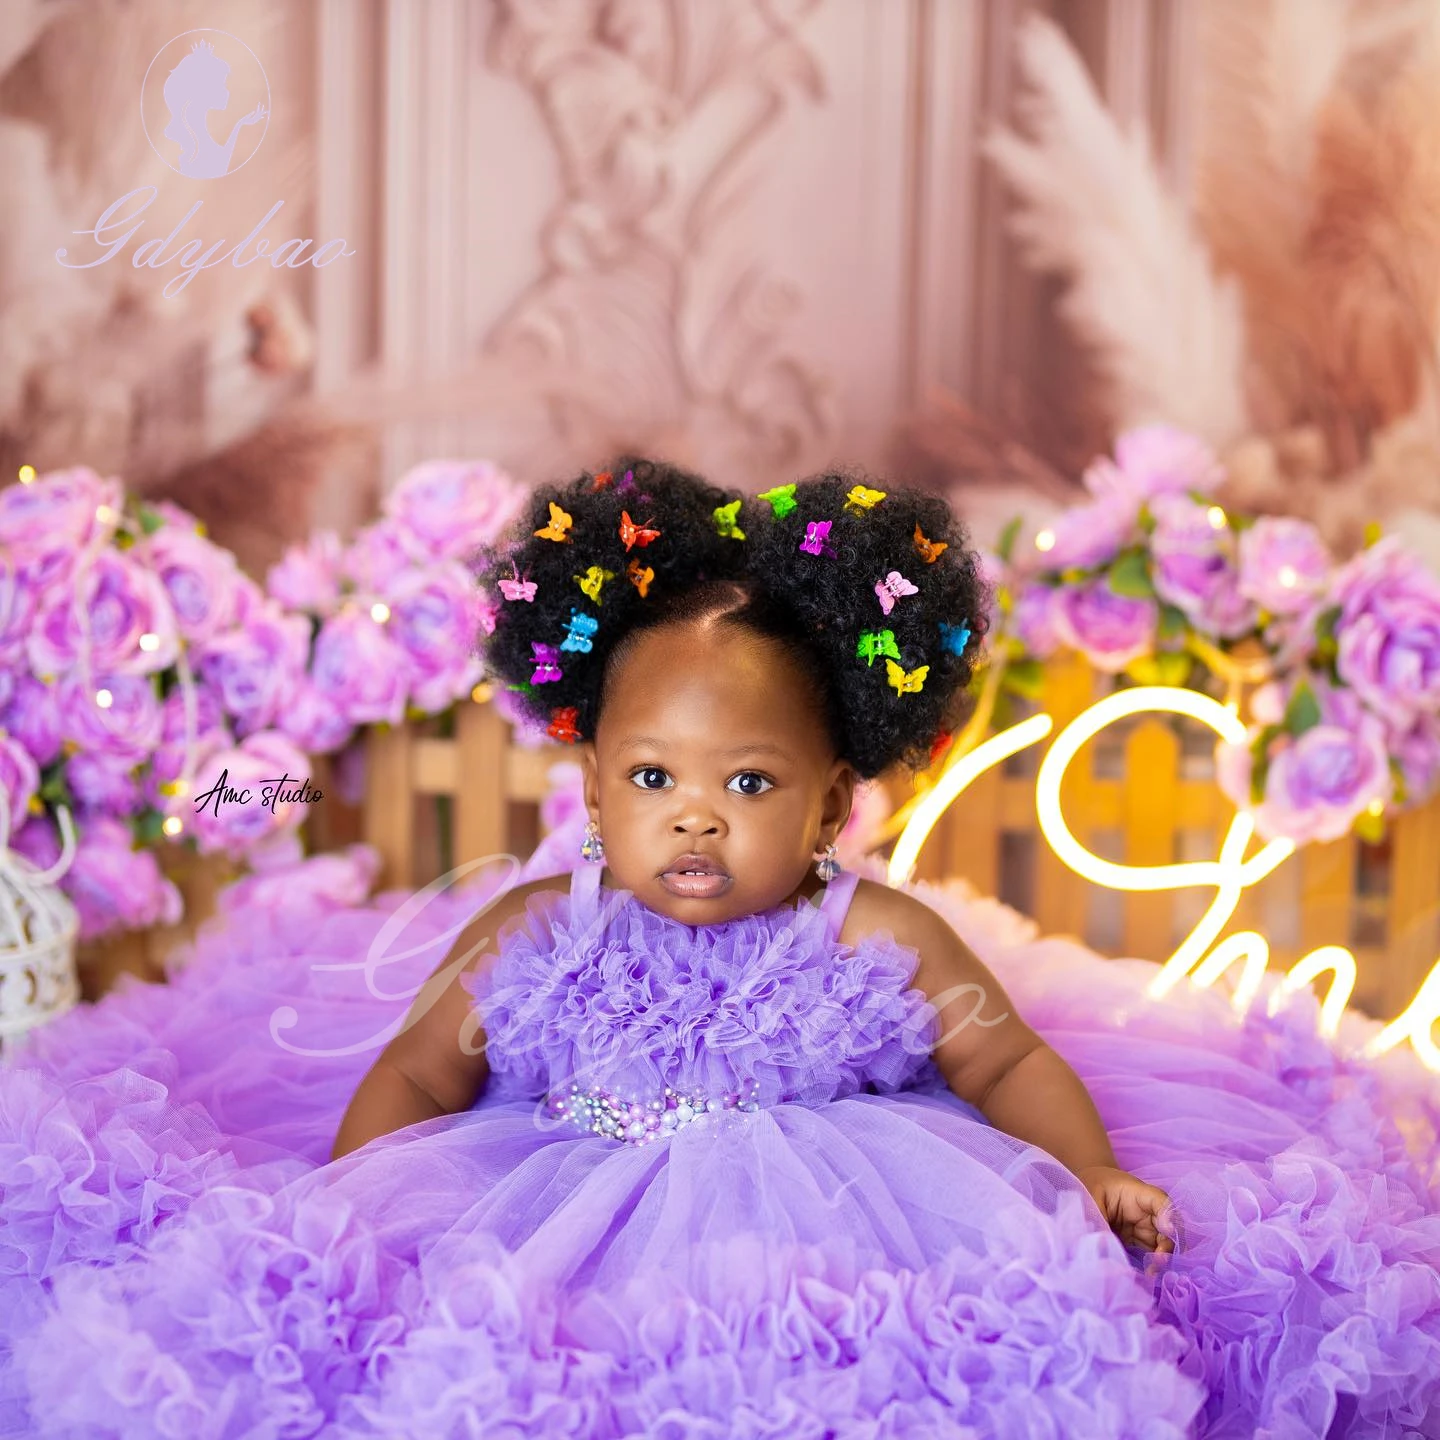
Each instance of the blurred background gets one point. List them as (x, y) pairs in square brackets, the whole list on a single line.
[(965, 244), (755, 236)]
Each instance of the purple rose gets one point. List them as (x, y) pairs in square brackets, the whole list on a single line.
[(1316, 786), (200, 579), (313, 720), (1089, 535), (103, 785), (380, 553), (210, 733), (255, 667), (47, 524), (1154, 460), (115, 887), (453, 506), (1389, 632), (360, 669), (113, 716), (308, 577), (17, 609), (117, 616), (1283, 564), (32, 716), (247, 795), (1111, 630), (1192, 566), (1034, 620), (434, 618), (1418, 751), (19, 781), (38, 841)]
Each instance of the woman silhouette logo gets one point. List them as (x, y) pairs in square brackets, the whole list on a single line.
[(191, 77)]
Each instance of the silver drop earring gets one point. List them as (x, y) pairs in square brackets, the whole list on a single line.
[(592, 847), (828, 867)]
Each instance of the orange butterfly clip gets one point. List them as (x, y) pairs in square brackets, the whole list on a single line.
[(633, 534), (601, 480), (640, 576), (557, 525), (929, 549)]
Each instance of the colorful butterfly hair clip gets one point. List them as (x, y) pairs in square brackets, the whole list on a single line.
[(860, 499), (600, 481), (940, 745), (640, 577), (591, 581), (817, 539), (955, 637), (725, 516), (557, 525), (578, 636), (562, 724), (633, 534), (518, 589), (627, 484), (892, 588), (930, 550), (877, 645), (547, 664), (905, 682), (782, 500)]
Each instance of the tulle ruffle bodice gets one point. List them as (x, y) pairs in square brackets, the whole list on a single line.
[(596, 989)]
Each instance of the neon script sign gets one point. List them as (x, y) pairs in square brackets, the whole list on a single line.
[(1231, 874)]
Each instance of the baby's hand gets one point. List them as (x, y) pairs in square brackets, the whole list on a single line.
[(1132, 1207)]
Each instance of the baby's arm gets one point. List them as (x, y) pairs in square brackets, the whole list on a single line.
[(436, 1064), (988, 1055)]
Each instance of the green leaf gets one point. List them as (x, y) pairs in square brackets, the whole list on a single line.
[(1303, 711), (1130, 575), (1004, 599), (150, 520), (1025, 678), (1173, 622), (1241, 522), (1006, 546), (1147, 517), (1258, 772), (148, 828)]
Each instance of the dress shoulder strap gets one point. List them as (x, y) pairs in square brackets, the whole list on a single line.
[(585, 884), (835, 903)]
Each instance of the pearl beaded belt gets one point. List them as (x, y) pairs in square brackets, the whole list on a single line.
[(634, 1122)]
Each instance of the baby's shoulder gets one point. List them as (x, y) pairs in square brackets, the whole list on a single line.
[(875, 908)]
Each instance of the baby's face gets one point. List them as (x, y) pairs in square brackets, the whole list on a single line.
[(710, 743)]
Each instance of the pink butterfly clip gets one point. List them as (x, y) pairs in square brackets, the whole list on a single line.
[(518, 589), (891, 588)]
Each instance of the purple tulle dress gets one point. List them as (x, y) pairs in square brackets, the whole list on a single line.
[(714, 1188)]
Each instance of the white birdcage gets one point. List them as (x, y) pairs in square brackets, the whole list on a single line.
[(38, 928)]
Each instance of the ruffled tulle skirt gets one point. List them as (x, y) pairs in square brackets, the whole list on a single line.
[(176, 1259)]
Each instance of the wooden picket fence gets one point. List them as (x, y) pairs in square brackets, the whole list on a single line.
[(1141, 793)]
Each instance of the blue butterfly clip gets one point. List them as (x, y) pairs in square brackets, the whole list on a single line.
[(955, 636), (582, 627)]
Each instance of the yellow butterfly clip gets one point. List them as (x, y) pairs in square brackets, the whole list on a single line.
[(859, 500), (725, 520), (905, 682), (593, 579), (929, 549), (558, 524)]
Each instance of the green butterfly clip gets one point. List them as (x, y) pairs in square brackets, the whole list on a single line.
[(877, 645), (782, 500)]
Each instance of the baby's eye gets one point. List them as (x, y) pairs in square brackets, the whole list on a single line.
[(752, 775), (642, 777)]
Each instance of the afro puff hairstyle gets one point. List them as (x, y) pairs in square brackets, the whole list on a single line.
[(884, 611)]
